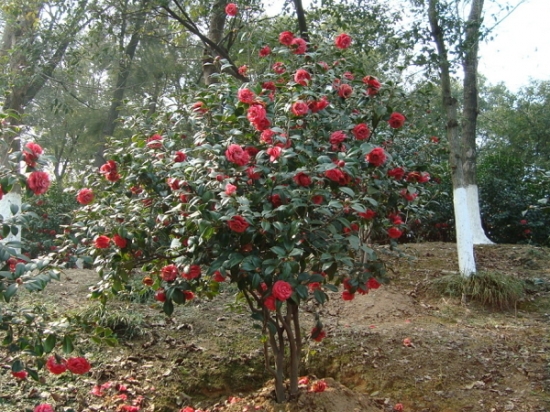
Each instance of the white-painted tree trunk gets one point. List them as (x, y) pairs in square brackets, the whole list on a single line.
[(478, 233), (12, 198), (464, 235)]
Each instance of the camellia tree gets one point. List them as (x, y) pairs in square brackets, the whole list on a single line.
[(266, 185)]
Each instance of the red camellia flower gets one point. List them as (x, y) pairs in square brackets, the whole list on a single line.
[(299, 108), (396, 121), (318, 334), (84, 197), (119, 241), (372, 283), (199, 107), (397, 173), (20, 375), (38, 182), (302, 179), (218, 277), (154, 142), (54, 367), (279, 67), (269, 86), (193, 272), (188, 295), (270, 303), (31, 153), (376, 157), (408, 195), (337, 137), (317, 199), (275, 200), (237, 155), (347, 295), (246, 96), (169, 273), (298, 45), (238, 224), (361, 131), (398, 407), (231, 9), (342, 41), (302, 77), (394, 233), (368, 214), (274, 153), (243, 70), (318, 386), (281, 290), (373, 85), (338, 176), (265, 51), (345, 90), (102, 242), (78, 365), (43, 407), (286, 38), (256, 113), (160, 295), (252, 173), (1, 193), (180, 157), (230, 189)]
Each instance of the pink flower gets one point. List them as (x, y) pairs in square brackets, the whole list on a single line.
[(38, 182), (302, 179), (376, 157), (274, 153), (396, 121), (243, 70), (300, 108), (281, 290), (119, 241), (84, 197), (302, 77), (154, 142), (54, 367), (230, 189), (394, 233), (231, 9), (246, 96), (270, 303), (361, 131), (169, 273), (78, 365), (265, 51), (342, 41), (286, 38), (345, 90), (279, 67), (180, 157), (238, 224), (298, 45), (407, 342), (43, 407), (199, 107), (237, 155), (102, 242)]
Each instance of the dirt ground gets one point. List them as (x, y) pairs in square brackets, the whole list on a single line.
[(394, 346)]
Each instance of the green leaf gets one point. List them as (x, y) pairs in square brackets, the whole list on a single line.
[(320, 296), (279, 251), (347, 191), (14, 208), (168, 307), (10, 291), (68, 346), (17, 366)]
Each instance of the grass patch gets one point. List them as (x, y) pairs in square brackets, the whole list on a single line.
[(495, 290), (124, 322)]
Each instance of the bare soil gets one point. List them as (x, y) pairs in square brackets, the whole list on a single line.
[(458, 357)]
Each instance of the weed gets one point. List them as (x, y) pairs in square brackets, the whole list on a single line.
[(492, 289), (125, 323)]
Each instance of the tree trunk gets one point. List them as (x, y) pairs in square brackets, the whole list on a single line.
[(469, 122), (464, 236), (215, 34), (125, 65)]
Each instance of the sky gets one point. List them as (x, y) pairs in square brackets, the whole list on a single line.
[(520, 48)]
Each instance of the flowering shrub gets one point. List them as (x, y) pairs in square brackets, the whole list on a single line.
[(283, 184)]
